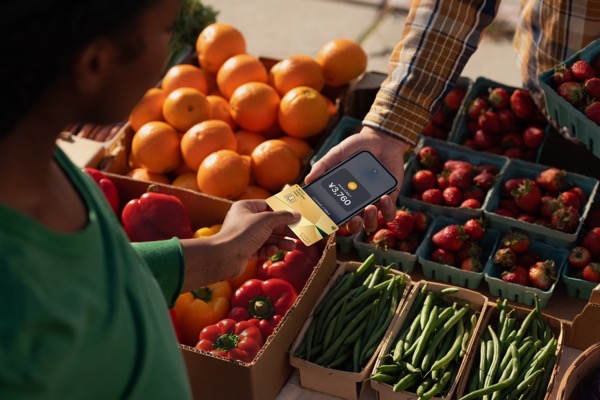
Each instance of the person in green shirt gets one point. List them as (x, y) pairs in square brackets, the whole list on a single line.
[(83, 310)]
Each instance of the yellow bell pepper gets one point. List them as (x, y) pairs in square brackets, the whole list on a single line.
[(201, 307)]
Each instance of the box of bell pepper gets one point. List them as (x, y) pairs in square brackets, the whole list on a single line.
[(266, 371), (341, 338)]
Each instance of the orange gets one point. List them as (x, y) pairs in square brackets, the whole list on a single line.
[(224, 173), (331, 106), (254, 106), (274, 164), (294, 71), (219, 109), (149, 108), (142, 174), (342, 60), (255, 192), (185, 75), (155, 146), (187, 180), (299, 146), (303, 112), (205, 138), (185, 107), (203, 232), (216, 43), (247, 141), (238, 70)]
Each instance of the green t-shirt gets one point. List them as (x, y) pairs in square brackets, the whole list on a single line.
[(82, 316)]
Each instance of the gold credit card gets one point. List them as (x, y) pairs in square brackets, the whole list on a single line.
[(314, 224)]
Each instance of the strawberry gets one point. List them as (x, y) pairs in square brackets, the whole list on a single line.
[(518, 242), (402, 225), (442, 180), (530, 218), (507, 119), (460, 178), (427, 129), (571, 92), (471, 264), (582, 70), (452, 196), (528, 258), (512, 140), (552, 179), (408, 245), (499, 98), (474, 228), (565, 219), (503, 212), (470, 143), (470, 203), (429, 158), (468, 249), (527, 196), (343, 231), (489, 122), (593, 111), (591, 272), (422, 180), (477, 107), (510, 185), (438, 118), (384, 239), (518, 275), (592, 88), (509, 205), (432, 196), (454, 98), (533, 137), (561, 74), (570, 199), (579, 257), (580, 194), (450, 238), (514, 152), (422, 221), (442, 256), (522, 104), (591, 241), (381, 223), (485, 139), (451, 165), (549, 205), (543, 274), (474, 192), (505, 257)]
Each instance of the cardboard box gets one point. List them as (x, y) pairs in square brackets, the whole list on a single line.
[(476, 301), (213, 377), (345, 384), (491, 316)]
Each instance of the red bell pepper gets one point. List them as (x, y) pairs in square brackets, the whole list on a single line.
[(263, 303), (107, 186), (156, 216), (231, 339), (294, 266)]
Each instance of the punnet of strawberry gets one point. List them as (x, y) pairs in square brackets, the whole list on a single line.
[(547, 198), (438, 178), (584, 257), (502, 120), (440, 124)]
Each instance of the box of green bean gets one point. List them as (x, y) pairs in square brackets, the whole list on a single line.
[(522, 348), (336, 348), (427, 351)]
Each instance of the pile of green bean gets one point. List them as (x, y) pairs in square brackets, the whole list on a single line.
[(515, 358), (350, 321), (426, 355)]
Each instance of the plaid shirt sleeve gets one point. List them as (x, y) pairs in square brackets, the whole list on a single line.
[(439, 37)]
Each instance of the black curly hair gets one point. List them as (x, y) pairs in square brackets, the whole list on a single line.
[(41, 37)]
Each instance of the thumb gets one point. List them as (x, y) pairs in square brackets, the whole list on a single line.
[(279, 218)]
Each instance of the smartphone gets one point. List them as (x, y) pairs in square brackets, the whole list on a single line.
[(349, 187)]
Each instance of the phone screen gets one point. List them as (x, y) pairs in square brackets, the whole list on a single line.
[(348, 188)]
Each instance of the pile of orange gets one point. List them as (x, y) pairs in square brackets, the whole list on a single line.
[(228, 126)]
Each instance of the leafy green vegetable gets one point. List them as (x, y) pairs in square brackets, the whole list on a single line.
[(193, 17)]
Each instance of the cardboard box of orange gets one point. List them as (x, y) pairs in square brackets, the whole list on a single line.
[(213, 377)]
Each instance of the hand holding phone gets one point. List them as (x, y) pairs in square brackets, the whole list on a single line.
[(345, 190)]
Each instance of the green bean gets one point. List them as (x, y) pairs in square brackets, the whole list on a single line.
[(356, 355), (384, 378), (528, 382), (468, 334), (329, 332), (382, 324), (473, 383), (548, 369), (425, 384), (454, 350), (339, 289), (482, 362), (495, 360), (342, 358), (364, 268), (438, 386), (390, 368), (404, 365), (406, 382), (428, 358), (426, 309), (447, 291), (422, 341), (375, 276), (340, 319), (413, 331), (310, 334), (510, 381), (525, 326), (542, 356), (458, 315), (417, 303)]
